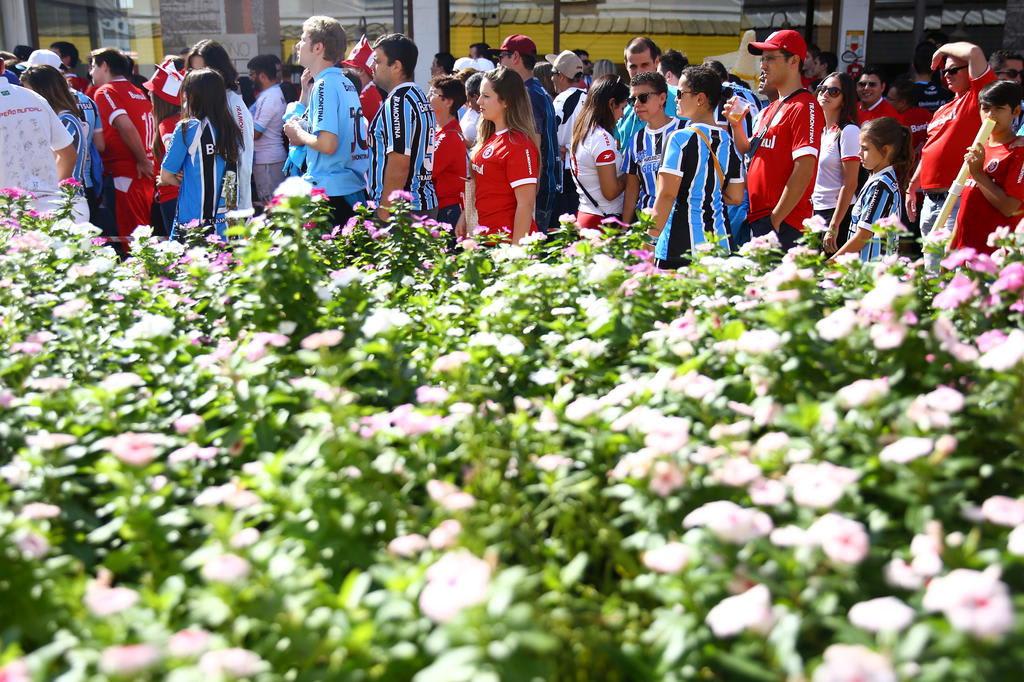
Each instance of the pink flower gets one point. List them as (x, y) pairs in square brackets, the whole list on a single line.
[(450, 362), (671, 557), (449, 496), (819, 485), (458, 580), (906, 449), (945, 399), (247, 537), (974, 602), (190, 453), (187, 423), (33, 546), (767, 492), (188, 643), (1006, 355), (39, 510), (751, 610), (226, 568), (445, 535), (134, 449), (854, 663), (882, 614), (759, 341), (666, 435), (841, 539), (837, 325), (431, 394), (129, 659), (863, 392), (231, 663), (102, 600), (44, 440), (959, 290), (70, 308), (666, 478), (15, 671), (1004, 511), (737, 472), (899, 573), (887, 335), (1011, 278), (730, 522), (990, 340), (958, 258), (408, 545), (400, 195), (324, 339)]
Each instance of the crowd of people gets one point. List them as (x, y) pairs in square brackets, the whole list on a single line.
[(506, 141)]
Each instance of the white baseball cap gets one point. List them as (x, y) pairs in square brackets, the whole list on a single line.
[(44, 58)]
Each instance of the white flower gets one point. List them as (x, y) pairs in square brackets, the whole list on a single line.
[(906, 450), (884, 613), (1015, 543), (729, 521), (150, 326), (384, 319), (294, 186), (759, 341), (1005, 355), (975, 602), (601, 268), (854, 663), (545, 376), (456, 581), (510, 345), (751, 610), (142, 232), (671, 557)]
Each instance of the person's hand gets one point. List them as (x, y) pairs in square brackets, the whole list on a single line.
[(910, 201), (829, 242), (776, 223), (306, 80), (727, 108), (460, 227), (291, 131), (383, 213), (144, 168), (975, 158)]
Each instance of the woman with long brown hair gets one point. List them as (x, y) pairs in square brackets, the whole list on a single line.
[(594, 157), (506, 158), (205, 141), (835, 185)]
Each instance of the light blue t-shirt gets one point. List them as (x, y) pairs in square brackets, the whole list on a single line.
[(334, 108)]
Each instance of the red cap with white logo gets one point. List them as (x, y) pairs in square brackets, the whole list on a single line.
[(166, 82), (361, 57)]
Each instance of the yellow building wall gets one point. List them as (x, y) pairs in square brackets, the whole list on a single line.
[(148, 51), (599, 45)]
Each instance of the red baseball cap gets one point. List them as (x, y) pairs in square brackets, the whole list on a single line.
[(361, 57), (519, 43), (166, 82), (786, 39)]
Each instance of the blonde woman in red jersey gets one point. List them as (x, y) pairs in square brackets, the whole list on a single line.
[(506, 158)]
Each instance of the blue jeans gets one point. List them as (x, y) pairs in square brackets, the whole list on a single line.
[(929, 215)]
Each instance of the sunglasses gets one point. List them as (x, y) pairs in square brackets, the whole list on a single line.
[(642, 97), (830, 91), (868, 84), (1009, 73), (953, 70)]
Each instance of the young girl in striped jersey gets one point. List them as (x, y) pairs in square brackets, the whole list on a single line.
[(204, 142), (887, 153)]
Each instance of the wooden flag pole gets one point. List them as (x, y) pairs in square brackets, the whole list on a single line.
[(957, 188)]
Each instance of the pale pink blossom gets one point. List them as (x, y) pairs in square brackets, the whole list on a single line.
[(790, 536), (837, 325), (102, 600), (863, 392), (32, 545), (751, 610), (841, 539), (449, 496), (15, 671), (881, 614), (187, 423), (120, 381), (671, 557), (431, 394), (188, 643), (450, 362), (128, 659), (666, 478), (1006, 355), (231, 494), (39, 510), (247, 537), (737, 472), (945, 399), (458, 580), (899, 573), (819, 485), (134, 449), (887, 335), (730, 522), (759, 341), (445, 535), (990, 339), (324, 339), (231, 663), (408, 545), (226, 568), (666, 435), (906, 449), (553, 462), (191, 452), (854, 663), (958, 291), (767, 492), (975, 602), (1015, 543), (48, 384), (1003, 510)]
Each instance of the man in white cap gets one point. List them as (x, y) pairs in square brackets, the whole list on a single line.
[(568, 77)]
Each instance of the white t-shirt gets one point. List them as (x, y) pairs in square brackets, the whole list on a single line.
[(268, 119), (29, 135), (244, 119), (568, 104), (598, 148), (469, 122), (836, 146)]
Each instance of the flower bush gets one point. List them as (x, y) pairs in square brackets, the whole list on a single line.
[(320, 452)]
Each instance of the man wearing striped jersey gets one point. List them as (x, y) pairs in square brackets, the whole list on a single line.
[(701, 172), (571, 87), (402, 133), (641, 159)]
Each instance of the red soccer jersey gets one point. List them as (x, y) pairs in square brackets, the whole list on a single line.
[(166, 130), (506, 161), (978, 218), (788, 129), (917, 119), (450, 163), (950, 133), (881, 109), (117, 98), (370, 101)]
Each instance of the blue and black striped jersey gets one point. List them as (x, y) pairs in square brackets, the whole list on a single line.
[(404, 124), (642, 158), (879, 199)]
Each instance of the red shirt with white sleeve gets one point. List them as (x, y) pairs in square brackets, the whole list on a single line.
[(879, 109), (788, 129), (507, 160), (370, 101), (950, 133), (978, 218), (116, 98)]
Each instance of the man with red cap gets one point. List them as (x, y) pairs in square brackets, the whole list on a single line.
[(361, 59), (519, 53), (786, 140)]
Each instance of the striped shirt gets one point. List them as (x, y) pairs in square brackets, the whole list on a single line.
[(79, 140), (404, 124), (193, 153), (550, 160), (698, 203), (879, 199), (93, 125), (642, 158)]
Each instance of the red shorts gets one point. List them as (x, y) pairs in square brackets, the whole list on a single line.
[(133, 201)]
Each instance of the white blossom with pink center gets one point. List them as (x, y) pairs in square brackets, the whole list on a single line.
[(751, 610), (129, 659), (975, 602), (730, 522), (881, 614), (671, 557), (458, 580), (841, 539), (854, 663)]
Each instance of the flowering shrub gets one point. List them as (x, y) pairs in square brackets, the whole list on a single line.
[(322, 452)]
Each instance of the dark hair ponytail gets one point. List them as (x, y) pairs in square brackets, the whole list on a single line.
[(887, 132), (205, 96)]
